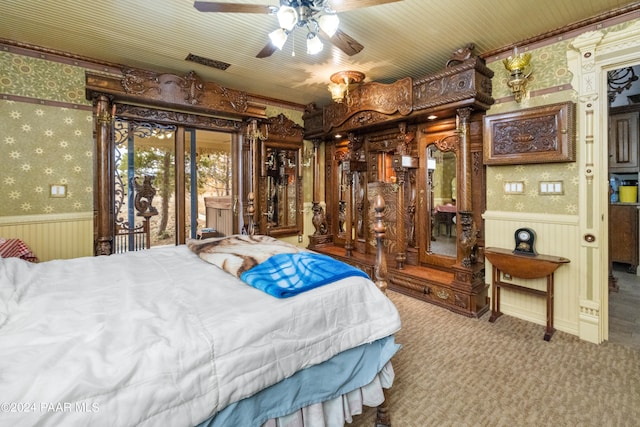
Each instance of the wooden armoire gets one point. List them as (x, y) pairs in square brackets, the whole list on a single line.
[(419, 144)]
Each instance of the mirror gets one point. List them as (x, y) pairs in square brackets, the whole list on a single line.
[(350, 202), (343, 187), (442, 189), (281, 189)]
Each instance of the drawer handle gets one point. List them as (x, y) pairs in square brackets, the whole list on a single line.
[(443, 294)]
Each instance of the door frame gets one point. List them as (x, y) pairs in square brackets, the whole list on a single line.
[(103, 163), (590, 57)]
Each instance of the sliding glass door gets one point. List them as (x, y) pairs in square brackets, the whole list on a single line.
[(171, 183)]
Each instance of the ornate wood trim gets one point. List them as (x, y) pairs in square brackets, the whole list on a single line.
[(462, 89), (535, 135), (186, 92), (284, 136), (466, 81), (377, 97), (172, 117), (166, 99), (283, 129)]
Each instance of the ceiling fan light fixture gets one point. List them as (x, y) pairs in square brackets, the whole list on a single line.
[(279, 37), (329, 23), (314, 44), (287, 17)]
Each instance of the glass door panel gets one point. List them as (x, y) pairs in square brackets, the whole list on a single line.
[(209, 183), (144, 190)]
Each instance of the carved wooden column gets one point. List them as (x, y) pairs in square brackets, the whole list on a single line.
[(401, 240), (348, 243), (466, 228), (383, 415), (353, 166), (403, 151), (465, 191), (104, 114), (251, 210), (319, 219), (380, 268)]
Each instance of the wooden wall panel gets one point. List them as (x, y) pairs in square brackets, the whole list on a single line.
[(52, 236), (556, 235)]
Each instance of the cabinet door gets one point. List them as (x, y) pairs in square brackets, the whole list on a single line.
[(623, 229), (623, 142)]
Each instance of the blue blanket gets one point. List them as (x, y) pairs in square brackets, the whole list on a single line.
[(343, 373), (286, 275)]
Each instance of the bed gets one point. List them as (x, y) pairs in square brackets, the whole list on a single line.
[(176, 336)]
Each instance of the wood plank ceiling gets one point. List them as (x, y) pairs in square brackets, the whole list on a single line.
[(405, 38)]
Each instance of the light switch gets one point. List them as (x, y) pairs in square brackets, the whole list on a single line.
[(57, 190), (513, 187), (551, 188)]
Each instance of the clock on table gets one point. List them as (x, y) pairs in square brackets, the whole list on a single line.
[(525, 239)]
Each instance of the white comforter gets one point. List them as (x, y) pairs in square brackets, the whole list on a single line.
[(160, 337)]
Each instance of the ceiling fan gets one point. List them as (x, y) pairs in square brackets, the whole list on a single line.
[(318, 16)]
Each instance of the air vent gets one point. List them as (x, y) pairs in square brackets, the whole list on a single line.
[(208, 62)]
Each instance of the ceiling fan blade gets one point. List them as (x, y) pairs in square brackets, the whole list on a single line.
[(211, 6), (344, 42), (344, 5), (266, 51)]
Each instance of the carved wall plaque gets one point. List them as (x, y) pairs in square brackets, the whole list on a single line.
[(535, 135)]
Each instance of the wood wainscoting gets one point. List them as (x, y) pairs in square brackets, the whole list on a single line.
[(556, 235), (54, 236)]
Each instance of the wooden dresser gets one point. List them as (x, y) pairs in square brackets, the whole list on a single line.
[(417, 144)]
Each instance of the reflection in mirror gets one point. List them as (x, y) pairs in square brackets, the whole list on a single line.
[(281, 190), (441, 182), (343, 186), (386, 173), (411, 210), (358, 188), (209, 180)]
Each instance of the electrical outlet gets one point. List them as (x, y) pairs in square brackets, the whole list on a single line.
[(300, 238)]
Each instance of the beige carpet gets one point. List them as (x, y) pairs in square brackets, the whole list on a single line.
[(457, 371)]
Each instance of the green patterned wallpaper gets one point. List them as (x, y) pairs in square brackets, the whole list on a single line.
[(45, 140), (41, 79), (43, 143), (550, 83), (531, 200), (46, 136), (549, 71), (40, 146)]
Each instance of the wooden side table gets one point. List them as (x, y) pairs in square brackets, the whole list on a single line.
[(524, 267)]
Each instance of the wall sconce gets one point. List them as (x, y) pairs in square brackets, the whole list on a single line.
[(255, 133), (339, 87), (518, 65), (307, 157)]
